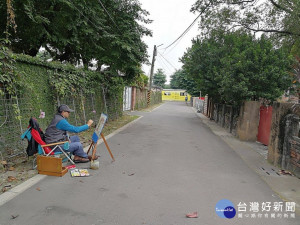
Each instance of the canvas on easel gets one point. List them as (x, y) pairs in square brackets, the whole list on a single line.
[(101, 123), (95, 137)]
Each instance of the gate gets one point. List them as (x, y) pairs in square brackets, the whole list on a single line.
[(264, 127), (127, 98)]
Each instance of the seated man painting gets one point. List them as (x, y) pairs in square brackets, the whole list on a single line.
[(57, 132)]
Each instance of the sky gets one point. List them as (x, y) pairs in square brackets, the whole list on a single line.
[(170, 19)]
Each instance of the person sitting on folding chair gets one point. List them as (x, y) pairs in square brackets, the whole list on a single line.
[(57, 132)]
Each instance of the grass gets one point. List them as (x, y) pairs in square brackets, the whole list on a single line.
[(109, 128), (151, 108)]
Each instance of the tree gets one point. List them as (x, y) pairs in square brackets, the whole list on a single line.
[(278, 17), (180, 80), (79, 31), (140, 81), (233, 67), (296, 75), (201, 62), (159, 78)]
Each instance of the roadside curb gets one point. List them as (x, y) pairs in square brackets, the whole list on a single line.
[(284, 186), (160, 104), (157, 107), (10, 194)]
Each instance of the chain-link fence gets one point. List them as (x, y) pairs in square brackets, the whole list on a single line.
[(10, 124), (15, 112)]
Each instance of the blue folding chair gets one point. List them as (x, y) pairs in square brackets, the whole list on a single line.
[(37, 145)]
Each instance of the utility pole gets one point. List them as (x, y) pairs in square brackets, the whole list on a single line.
[(152, 66), (151, 76)]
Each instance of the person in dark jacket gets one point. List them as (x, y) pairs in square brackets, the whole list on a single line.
[(57, 132)]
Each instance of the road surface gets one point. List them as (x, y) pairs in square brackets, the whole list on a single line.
[(167, 164)]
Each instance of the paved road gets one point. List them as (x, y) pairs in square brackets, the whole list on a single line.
[(167, 164)]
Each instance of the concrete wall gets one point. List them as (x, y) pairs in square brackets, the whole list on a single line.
[(294, 161), (247, 126), (275, 148), (226, 116), (205, 105), (284, 144)]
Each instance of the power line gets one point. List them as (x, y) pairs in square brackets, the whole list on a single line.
[(167, 60), (86, 17), (170, 50), (187, 29), (109, 15), (163, 64), (184, 33)]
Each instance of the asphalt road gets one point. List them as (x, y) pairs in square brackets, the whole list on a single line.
[(167, 164)]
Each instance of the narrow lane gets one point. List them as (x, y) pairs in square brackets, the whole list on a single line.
[(167, 164)]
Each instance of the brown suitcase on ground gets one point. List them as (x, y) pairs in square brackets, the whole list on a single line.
[(51, 166)]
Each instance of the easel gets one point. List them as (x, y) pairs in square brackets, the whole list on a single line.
[(93, 147)]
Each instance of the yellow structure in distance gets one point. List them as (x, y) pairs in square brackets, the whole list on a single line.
[(175, 95)]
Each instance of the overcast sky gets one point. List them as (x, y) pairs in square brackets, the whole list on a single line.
[(170, 19)]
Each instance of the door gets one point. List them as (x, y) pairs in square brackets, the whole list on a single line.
[(264, 127), (127, 98)]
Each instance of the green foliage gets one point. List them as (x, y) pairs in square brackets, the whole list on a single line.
[(159, 78), (140, 81), (233, 67), (80, 31), (180, 80), (141, 98), (296, 76), (145, 80), (43, 82), (43, 55), (30, 85), (66, 79), (280, 17), (8, 77), (167, 86)]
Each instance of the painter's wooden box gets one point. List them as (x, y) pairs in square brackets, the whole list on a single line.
[(51, 166)]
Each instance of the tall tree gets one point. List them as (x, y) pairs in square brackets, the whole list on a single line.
[(159, 78), (78, 31), (234, 66), (277, 17), (180, 80)]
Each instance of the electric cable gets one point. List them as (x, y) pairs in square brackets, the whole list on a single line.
[(86, 17), (163, 64), (187, 29), (166, 60), (109, 15)]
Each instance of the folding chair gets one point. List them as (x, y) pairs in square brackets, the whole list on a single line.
[(36, 143)]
